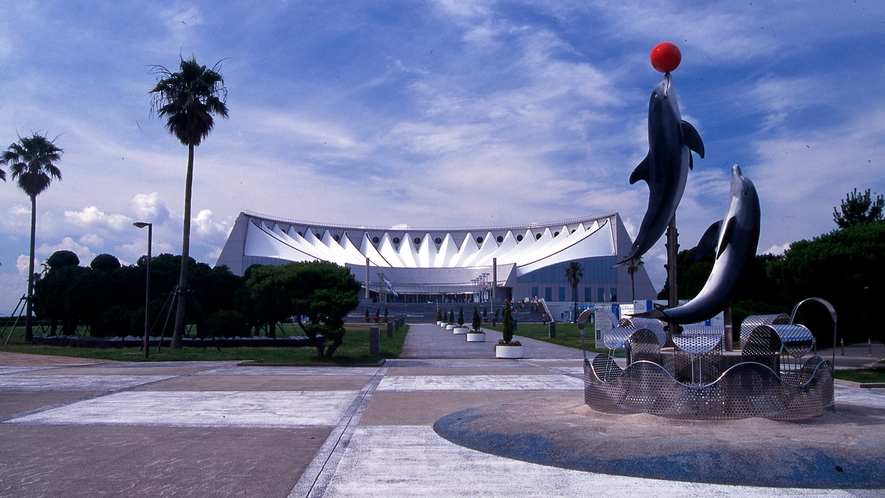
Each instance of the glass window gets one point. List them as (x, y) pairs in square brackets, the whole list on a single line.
[(548, 293), (614, 293), (588, 296), (562, 293), (600, 294)]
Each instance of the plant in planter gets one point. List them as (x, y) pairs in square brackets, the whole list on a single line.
[(451, 316), (460, 329), (439, 317), (485, 316), (377, 315), (367, 315), (476, 334), (507, 347), (385, 315)]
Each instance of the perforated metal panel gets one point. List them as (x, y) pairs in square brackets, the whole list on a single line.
[(744, 390), (753, 321), (653, 325), (644, 346)]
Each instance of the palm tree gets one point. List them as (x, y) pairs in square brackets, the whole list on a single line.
[(574, 272), (31, 163), (188, 100), (632, 268)]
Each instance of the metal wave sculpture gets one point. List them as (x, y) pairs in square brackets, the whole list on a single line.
[(689, 381)]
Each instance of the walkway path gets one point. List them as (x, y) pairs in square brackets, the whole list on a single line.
[(216, 429)]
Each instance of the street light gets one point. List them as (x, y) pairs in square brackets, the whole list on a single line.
[(147, 288)]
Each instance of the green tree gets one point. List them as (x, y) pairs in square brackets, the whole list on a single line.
[(859, 208), (574, 272), (460, 316), (188, 99), (507, 324), (845, 268), (318, 294), (60, 259), (477, 321), (32, 163)]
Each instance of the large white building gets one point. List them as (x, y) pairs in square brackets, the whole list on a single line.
[(421, 264)]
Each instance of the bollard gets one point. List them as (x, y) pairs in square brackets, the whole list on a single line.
[(814, 346), (870, 345), (389, 330), (551, 330), (374, 340), (842, 341)]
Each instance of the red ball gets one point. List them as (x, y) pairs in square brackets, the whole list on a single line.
[(665, 57)]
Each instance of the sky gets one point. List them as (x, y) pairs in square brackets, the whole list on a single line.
[(436, 113)]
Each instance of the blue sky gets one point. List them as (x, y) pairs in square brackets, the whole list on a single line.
[(433, 113)]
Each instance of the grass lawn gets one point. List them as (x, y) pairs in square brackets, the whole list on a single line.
[(863, 376), (566, 334), (354, 350)]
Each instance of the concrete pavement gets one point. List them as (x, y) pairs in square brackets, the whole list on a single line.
[(71, 427)]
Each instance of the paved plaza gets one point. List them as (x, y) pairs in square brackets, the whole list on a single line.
[(73, 427)]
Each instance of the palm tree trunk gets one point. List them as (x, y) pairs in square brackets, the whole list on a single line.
[(29, 331), (185, 253)]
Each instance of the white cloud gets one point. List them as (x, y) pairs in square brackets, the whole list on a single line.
[(92, 216), (21, 264), (208, 229), (150, 208), (90, 239), (85, 254)]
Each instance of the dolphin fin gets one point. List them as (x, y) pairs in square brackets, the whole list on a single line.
[(708, 241), (726, 236), (692, 139), (641, 172), (655, 313)]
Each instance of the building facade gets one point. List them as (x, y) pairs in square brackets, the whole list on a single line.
[(432, 264)]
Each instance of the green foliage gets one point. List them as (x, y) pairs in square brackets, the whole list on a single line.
[(318, 294), (460, 316), (189, 99), (32, 161), (438, 316), (451, 316), (845, 268), (72, 295), (105, 262), (60, 259), (228, 323), (477, 321), (859, 208), (115, 322), (507, 322)]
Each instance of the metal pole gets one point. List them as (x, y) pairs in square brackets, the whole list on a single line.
[(147, 288), (672, 251)]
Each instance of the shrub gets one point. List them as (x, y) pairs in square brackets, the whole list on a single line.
[(228, 323)]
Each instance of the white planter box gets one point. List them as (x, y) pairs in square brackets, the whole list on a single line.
[(450, 326), (475, 337), (460, 330), (510, 352)]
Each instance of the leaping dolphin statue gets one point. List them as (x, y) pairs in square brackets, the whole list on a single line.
[(665, 168), (734, 239)]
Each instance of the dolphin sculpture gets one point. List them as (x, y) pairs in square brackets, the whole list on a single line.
[(665, 168), (734, 239)]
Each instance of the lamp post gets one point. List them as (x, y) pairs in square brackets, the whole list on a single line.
[(147, 288)]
